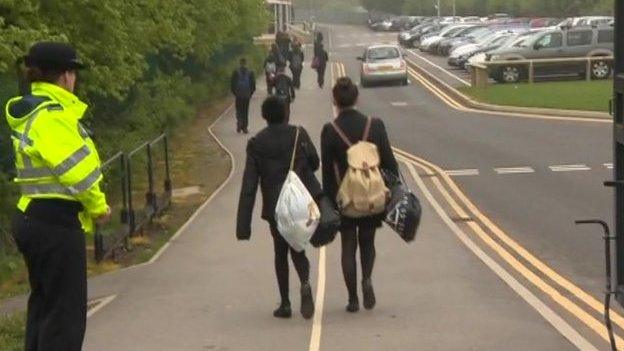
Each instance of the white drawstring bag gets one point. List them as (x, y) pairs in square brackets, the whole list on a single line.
[(296, 213)]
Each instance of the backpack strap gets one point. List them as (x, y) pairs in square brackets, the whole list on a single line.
[(341, 134), (369, 121), (294, 153)]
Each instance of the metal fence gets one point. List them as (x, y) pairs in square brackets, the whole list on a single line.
[(138, 187)]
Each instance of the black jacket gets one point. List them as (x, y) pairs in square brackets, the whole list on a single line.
[(334, 150), (322, 57), (268, 162), (234, 84), (285, 83), (296, 53)]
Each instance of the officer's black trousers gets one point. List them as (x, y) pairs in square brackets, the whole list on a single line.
[(55, 255)]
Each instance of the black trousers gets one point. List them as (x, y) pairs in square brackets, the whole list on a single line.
[(320, 71), (352, 237), (296, 73), (55, 255), (242, 113), (299, 259)]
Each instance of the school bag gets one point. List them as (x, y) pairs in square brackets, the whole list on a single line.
[(270, 67), (403, 211), (362, 191), (282, 87), (295, 61), (296, 213), (243, 84)]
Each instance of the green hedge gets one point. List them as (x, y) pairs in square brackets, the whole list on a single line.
[(152, 63)]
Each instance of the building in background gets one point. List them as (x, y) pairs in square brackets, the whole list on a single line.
[(282, 11)]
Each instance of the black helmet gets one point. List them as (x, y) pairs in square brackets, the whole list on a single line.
[(53, 56)]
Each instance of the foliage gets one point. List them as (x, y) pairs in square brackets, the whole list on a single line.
[(12, 332), (151, 63)]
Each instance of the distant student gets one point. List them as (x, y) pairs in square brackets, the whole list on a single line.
[(296, 63), (268, 162), (284, 89), (320, 64), (243, 86)]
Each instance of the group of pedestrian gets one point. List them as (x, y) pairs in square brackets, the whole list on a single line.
[(284, 53), (267, 166)]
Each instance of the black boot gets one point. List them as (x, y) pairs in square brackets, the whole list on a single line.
[(354, 305), (283, 311), (369, 294), (307, 303)]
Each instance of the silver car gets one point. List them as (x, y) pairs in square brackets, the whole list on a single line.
[(383, 63)]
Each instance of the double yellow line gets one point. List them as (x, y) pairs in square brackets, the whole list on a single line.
[(338, 70), (509, 251)]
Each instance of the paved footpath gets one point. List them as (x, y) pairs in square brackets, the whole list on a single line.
[(210, 292)]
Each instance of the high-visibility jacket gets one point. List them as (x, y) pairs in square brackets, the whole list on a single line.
[(55, 156)]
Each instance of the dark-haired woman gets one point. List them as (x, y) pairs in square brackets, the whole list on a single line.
[(320, 60), (268, 162), (354, 232)]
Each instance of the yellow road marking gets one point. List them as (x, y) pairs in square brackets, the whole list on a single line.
[(549, 315), (566, 303)]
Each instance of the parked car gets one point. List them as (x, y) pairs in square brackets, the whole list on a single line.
[(430, 43), (464, 36), (487, 41), (481, 51), (382, 63), (556, 43), (413, 37)]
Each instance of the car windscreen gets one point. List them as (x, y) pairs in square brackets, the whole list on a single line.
[(451, 31), (382, 53)]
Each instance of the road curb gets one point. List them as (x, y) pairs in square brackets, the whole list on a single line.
[(466, 101)]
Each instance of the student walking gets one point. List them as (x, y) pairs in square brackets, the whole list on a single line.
[(347, 129), (284, 89), (243, 86), (296, 64), (270, 69), (59, 175), (320, 64), (268, 165)]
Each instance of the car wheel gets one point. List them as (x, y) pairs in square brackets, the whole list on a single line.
[(510, 74), (416, 44), (364, 83), (600, 70), (404, 81)]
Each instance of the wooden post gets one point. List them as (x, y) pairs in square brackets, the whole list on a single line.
[(531, 72), (588, 73)]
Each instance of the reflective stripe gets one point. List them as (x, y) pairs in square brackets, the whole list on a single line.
[(45, 189), (83, 131), (31, 172), (23, 141), (73, 160), (88, 181), (22, 138)]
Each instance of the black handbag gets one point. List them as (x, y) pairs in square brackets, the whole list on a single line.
[(403, 212), (329, 224)]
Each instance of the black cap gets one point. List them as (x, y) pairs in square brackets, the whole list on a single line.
[(53, 55)]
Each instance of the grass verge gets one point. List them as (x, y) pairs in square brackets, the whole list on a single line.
[(572, 95), (12, 332)]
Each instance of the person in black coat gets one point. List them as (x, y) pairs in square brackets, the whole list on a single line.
[(268, 162), (296, 59), (242, 86), (334, 155), (320, 60)]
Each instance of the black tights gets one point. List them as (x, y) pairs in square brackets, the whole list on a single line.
[(365, 236), (302, 265)]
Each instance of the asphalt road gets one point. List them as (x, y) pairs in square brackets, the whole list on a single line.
[(452, 289)]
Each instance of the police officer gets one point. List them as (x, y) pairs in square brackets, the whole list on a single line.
[(58, 173)]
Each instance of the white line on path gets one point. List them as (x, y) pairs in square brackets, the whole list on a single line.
[(569, 168), (549, 315), (608, 165), (398, 103), (413, 52), (101, 304), (514, 170), (360, 44), (462, 172)]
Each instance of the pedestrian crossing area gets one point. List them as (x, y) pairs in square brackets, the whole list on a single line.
[(562, 168)]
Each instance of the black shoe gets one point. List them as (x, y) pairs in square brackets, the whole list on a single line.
[(307, 303), (238, 130), (245, 131), (283, 311), (369, 294), (353, 306)]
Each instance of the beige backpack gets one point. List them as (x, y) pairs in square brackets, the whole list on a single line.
[(362, 191)]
